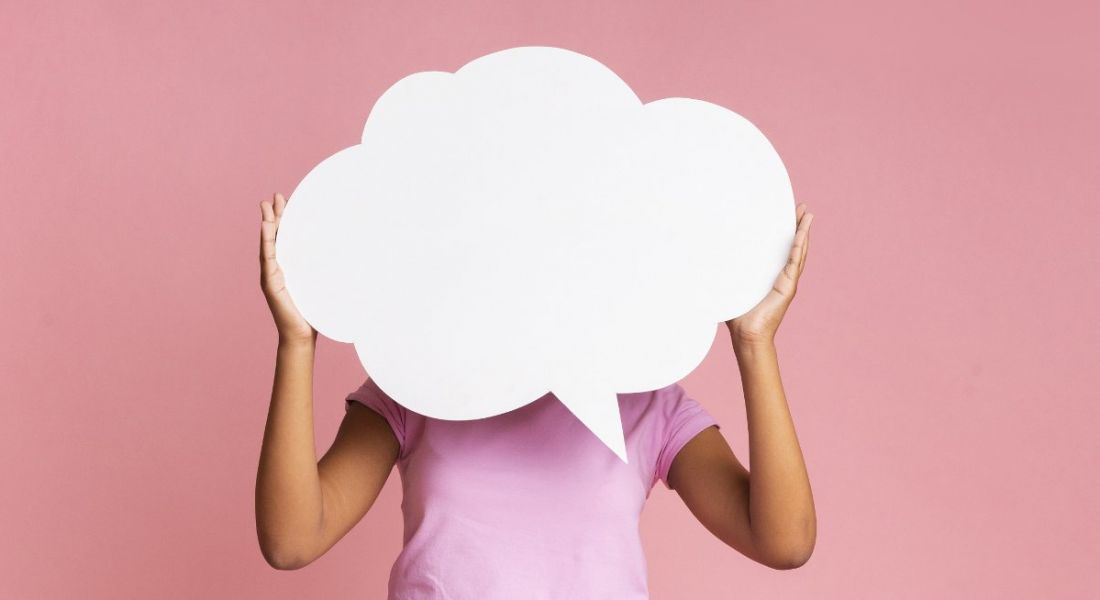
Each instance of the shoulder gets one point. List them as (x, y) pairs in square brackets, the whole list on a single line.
[(660, 406), (667, 418), (373, 397)]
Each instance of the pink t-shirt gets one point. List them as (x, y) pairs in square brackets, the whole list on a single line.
[(529, 504)]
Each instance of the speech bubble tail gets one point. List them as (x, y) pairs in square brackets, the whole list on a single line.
[(600, 414)]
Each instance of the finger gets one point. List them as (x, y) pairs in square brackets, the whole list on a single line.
[(268, 265), (798, 249), (804, 247), (268, 211), (806, 239), (800, 230), (791, 268), (785, 281), (280, 204), (267, 245), (263, 230), (267, 232), (784, 286)]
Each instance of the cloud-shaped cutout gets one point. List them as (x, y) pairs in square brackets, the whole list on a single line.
[(527, 225)]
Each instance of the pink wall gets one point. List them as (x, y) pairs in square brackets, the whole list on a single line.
[(940, 358)]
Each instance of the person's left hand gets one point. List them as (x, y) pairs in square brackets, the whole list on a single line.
[(760, 324)]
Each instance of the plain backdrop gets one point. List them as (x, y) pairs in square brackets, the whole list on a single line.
[(939, 359)]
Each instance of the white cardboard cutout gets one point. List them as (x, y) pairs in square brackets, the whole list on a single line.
[(526, 225)]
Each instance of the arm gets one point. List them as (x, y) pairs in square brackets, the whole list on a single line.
[(304, 506), (765, 512)]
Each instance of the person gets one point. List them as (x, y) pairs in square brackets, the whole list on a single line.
[(529, 504)]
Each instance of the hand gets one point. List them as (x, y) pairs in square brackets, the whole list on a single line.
[(760, 324), (290, 323)]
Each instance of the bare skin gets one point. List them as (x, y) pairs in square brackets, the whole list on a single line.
[(766, 512), (304, 506)]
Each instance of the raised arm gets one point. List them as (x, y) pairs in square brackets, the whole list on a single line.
[(766, 512), (304, 506)]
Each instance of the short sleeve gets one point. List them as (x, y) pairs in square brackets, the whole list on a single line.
[(684, 418), (372, 396)]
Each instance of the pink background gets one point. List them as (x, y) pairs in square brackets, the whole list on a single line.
[(940, 359)]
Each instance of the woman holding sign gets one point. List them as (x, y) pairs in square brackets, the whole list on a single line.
[(527, 504)]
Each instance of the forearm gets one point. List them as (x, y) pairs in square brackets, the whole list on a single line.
[(289, 500), (782, 515)]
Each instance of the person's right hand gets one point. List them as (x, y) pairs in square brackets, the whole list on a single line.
[(290, 323)]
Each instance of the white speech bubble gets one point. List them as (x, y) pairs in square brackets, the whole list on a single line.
[(527, 225)]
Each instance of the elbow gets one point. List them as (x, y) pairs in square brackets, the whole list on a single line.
[(283, 549), (288, 541), (284, 560), (283, 556), (790, 551), (791, 559)]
